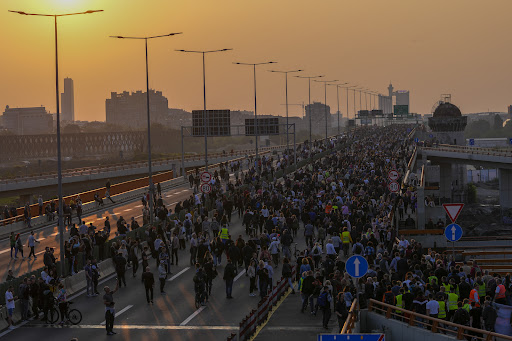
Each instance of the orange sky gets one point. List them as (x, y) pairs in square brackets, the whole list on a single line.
[(429, 47)]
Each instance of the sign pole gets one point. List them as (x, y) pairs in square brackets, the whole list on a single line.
[(184, 173)]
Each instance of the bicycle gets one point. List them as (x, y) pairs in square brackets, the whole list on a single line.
[(74, 316)]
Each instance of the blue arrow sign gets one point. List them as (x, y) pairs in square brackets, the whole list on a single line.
[(471, 142), (510, 140), (351, 337), (356, 266), (416, 140), (453, 232)]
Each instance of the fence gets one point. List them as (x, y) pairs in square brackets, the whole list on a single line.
[(257, 316), (351, 318), (435, 325)]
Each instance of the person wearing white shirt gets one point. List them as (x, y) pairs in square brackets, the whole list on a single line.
[(9, 304), (432, 307)]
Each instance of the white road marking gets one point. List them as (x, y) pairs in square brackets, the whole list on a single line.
[(128, 210), (239, 275), (194, 314), (132, 326), (138, 206), (178, 274), (118, 313)]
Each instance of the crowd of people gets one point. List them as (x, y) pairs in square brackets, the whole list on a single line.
[(340, 205)]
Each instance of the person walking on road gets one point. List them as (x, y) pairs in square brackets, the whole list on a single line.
[(19, 247), (162, 276), (229, 276), (110, 310), (32, 244), (120, 263), (12, 240), (149, 283)]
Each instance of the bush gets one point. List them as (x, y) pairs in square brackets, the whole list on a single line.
[(471, 193)]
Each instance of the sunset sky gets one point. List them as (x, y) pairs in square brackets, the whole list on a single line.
[(462, 47)]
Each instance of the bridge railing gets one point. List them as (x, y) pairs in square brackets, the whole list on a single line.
[(435, 325), (471, 150), (352, 318)]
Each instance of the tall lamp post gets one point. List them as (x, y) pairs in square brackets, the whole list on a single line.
[(325, 99), (59, 154), (205, 118), (255, 105), (286, 96), (150, 173), (338, 101), (309, 78)]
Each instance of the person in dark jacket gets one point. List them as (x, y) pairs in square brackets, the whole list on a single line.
[(307, 290), (149, 283), (120, 263), (229, 276)]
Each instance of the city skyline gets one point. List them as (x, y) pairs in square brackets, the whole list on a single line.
[(428, 49)]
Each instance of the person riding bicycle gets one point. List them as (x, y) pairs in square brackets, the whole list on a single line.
[(62, 300), (200, 285)]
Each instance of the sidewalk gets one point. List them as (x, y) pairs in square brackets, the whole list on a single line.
[(288, 323)]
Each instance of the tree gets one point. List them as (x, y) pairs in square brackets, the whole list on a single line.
[(71, 129)]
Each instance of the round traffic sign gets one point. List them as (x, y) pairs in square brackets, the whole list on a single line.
[(453, 232), (206, 188), (356, 266), (393, 175), (394, 186), (206, 176)]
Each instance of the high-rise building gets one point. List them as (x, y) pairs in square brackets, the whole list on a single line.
[(510, 109), (68, 101), (27, 121), (317, 112), (131, 109)]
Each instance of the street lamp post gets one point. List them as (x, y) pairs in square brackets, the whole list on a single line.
[(286, 96), (338, 101), (309, 78), (255, 105), (150, 173), (59, 153), (205, 118), (325, 99)]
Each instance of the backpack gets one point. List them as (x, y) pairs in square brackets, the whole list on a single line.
[(358, 249), (322, 299)]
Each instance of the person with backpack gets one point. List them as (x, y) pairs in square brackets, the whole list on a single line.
[(358, 248), (287, 273), (461, 315), (389, 297), (317, 254), (324, 303)]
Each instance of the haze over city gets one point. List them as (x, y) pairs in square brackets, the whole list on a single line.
[(460, 47)]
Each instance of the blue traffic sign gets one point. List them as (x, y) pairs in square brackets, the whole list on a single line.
[(416, 140), (510, 140), (351, 337), (453, 232), (356, 266), (471, 142)]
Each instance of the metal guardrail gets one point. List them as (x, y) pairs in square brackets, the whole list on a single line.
[(435, 325), (470, 150), (351, 318)]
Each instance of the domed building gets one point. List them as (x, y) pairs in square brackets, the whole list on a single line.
[(448, 124)]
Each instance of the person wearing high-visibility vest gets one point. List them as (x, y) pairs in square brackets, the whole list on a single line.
[(474, 296), (399, 302), (481, 287), (499, 296), (465, 305), (433, 277), (452, 304), (346, 239), (442, 307), (224, 234)]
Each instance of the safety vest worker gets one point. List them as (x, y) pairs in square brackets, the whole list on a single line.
[(399, 301), (452, 301), (481, 288), (224, 234), (442, 309), (346, 238), (474, 296), (500, 292)]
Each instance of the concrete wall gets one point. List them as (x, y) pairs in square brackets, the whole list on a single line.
[(395, 330)]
